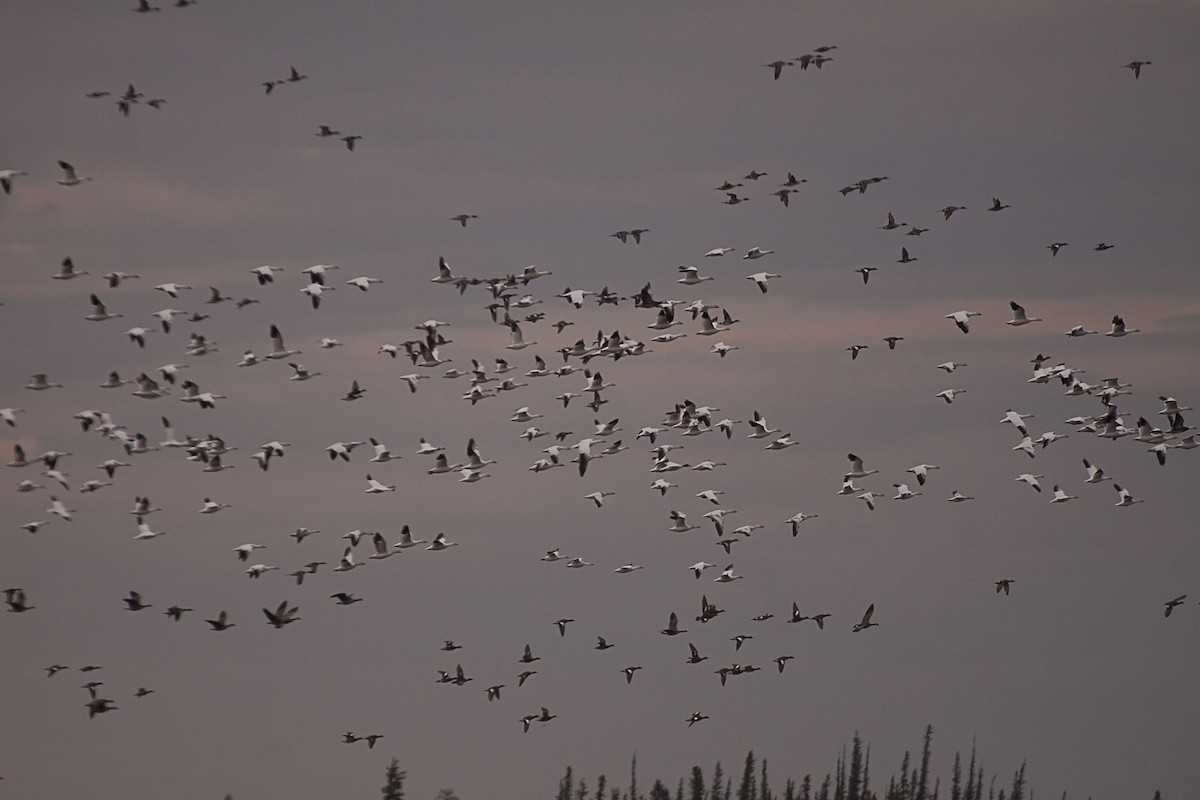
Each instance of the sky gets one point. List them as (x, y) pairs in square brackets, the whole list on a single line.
[(558, 125)]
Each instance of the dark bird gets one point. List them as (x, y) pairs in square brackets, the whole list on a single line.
[(221, 622), (866, 620), (1136, 66)]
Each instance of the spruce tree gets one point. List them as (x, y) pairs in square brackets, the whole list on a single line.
[(696, 785), (746, 789), (393, 788), (854, 779), (764, 791), (659, 791), (718, 783), (923, 781), (565, 785), (600, 782)]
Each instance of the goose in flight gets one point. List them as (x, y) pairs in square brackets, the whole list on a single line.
[(1079, 330), (1094, 474), (1004, 585), (6, 178), (760, 279), (948, 211), (70, 177), (1170, 604), (221, 622), (891, 223), (1124, 497), (958, 497), (1136, 66), (440, 543), (680, 523), (856, 468), (727, 576), (1017, 420), (692, 276), (1031, 480), (1119, 329), (134, 602), (869, 499), (673, 628), (903, 492), (962, 319), (1060, 496), (696, 717), (866, 618), (1019, 317), (796, 520), (1055, 247), (756, 252), (67, 271), (100, 312), (282, 615), (375, 487), (997, 205)]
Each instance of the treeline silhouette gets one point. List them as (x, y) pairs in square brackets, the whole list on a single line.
[(850, 780)]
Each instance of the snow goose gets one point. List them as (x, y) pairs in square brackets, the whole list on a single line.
[(1119, 329), (70, 177), (962, 319), (760, 279), (1019, 317)]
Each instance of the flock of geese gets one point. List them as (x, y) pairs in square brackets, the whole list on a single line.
[(588, 373)]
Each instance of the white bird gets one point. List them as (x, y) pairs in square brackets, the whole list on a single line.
[(761, 278), (144, 531), (67, 271), (962, 319), (950, 366), (1032, 480), (727, 576), (757, 252), (57, 508), (314, 291), (518, 339), (856, 468), (903, 492), (717, 252), (265, 274), (680, 523), (278, 350), (302, 373), (625, 569), (70, 177), (6, 178), (99, 311), (598, 497), (1060, 496), (1124, 497), (662, 486), (406, 539), (1019, 317), (375, 487), (382, 454), (957, 497), (782, 443), (692, 276), (439, 543), (1079, 330), (1119, 329), (364, 282), (1017, 420), (759, 425), (381, 547), (212, 507), (869, 499), (922, 472)]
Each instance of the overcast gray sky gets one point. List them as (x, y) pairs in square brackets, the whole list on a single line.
[(557, 125)]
